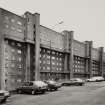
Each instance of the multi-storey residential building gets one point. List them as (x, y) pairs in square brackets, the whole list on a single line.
[(30, 51)]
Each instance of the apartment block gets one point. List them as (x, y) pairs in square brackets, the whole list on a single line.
[(30, 51)]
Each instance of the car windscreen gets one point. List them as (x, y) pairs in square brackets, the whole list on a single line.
[(76, 79), (39, 83), (25, 84), (51, 82)]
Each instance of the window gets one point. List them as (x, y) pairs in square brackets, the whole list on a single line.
[(48, 62), (20, 66), (18, 80), (6, 57), (13, 43), (28, 19), (40, 61), (6, 18), (48, 51), (60, 59), (43, 62), (43, 50), (7, 26), (53, 68), (6, 65), (43, 68), (12, 65), (60, 69), (30, 84), (13, 58), (12, 50), (19, 45), (53, 57), (40, 49), (19, 23), (6, 41), (48, 56), (12, 20), (19, 59), (19, 30), (48, 68), (40, 55), (53, 52), (13, 28), (19, 51), (60, 64), (6, 50), (60, 54), (20, 72), (34, 26), (53, 63), (44, 56)]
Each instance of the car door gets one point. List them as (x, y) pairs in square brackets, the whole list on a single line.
[(25, 87), (28, 87), (72, 82)]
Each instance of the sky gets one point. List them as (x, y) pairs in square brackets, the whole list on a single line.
[(85, 17)]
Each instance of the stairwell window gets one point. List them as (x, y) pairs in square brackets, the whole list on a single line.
[(19, 23)]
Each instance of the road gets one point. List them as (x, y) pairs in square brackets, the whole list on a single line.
[(90, 94)]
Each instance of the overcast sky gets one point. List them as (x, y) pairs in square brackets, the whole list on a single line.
[(85, 17)]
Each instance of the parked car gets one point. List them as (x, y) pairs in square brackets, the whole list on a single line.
[(53, 85), (32, 87), (4, 95), (95, 79), (74, 81)]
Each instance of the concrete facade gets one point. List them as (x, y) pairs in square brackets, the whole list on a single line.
[(30, 51)]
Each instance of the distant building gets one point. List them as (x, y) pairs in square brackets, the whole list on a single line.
[(30, 51)]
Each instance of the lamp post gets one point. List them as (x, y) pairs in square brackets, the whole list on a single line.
[(61, 22), (50, 60)]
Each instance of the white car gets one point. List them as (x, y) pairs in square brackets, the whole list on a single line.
[(32, 87), (4, 95), (95, 79)]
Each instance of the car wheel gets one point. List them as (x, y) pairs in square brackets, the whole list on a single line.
[(33, 92), (4, 100), (19, 91), (97, 80), (49, 89), (81, 84), (64, 84), (43, 92), (56, 89)]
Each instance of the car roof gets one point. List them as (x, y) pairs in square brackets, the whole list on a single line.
[(97, 77), (2, 91), (76, 79)]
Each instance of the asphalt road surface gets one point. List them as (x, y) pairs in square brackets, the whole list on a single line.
[(90, 94)]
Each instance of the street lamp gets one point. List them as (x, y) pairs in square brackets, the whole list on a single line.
[(50, 60), (61, 22)]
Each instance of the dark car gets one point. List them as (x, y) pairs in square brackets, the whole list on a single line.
[(32, 87), (52, 85), (73, 81), (4, 95)]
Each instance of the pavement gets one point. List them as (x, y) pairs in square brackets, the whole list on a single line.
[(89, 94)]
